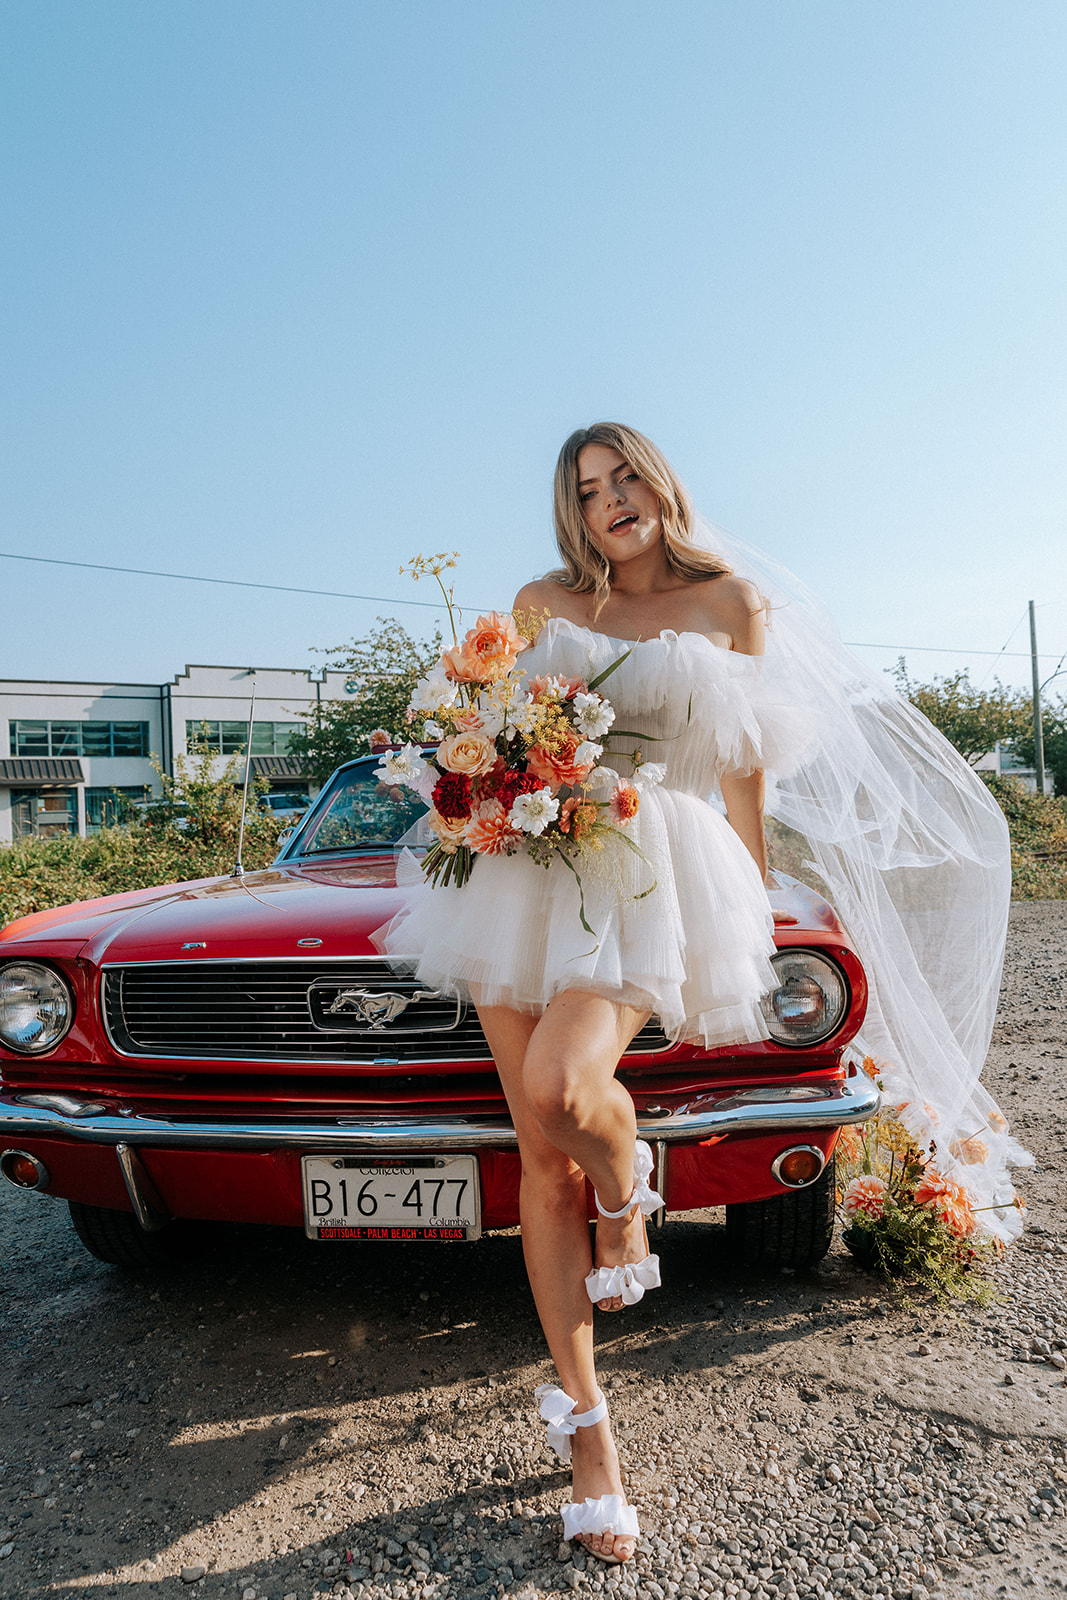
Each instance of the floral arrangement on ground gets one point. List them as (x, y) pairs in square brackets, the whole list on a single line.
[(517, 762), (902, 1216)]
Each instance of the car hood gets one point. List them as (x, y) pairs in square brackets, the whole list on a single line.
[(288, 911), (263, 914)]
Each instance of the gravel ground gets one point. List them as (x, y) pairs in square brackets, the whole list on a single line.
[(282, 1419)]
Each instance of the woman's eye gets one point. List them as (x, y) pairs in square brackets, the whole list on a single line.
[(586, 494), (630, 477)]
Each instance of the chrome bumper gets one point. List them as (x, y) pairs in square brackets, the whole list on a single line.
[(805, 1107)]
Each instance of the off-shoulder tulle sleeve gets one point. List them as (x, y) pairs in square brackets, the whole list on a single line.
[(737, 713)]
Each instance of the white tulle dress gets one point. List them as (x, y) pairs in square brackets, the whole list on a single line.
[(682, 929)]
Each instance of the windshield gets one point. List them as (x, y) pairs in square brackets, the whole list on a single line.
[(360, 812)]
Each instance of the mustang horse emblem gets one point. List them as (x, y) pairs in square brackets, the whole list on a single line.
[(374, 1007)]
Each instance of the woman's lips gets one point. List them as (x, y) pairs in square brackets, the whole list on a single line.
[(622, 523)]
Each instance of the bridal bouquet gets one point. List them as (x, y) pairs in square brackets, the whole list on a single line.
[(902, 1215), (517, 759)]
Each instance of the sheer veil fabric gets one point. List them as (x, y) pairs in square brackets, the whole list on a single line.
[(913, 851)]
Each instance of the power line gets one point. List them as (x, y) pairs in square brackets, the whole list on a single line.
[(1003, 648), (233, 583), (432, 605), (938, 649)]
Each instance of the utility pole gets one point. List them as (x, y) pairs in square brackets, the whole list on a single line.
[(1039, 738)]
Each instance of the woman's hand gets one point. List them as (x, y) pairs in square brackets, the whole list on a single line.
[(743, 794)]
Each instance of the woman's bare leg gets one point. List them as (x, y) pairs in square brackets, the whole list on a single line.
[(573, 1119)]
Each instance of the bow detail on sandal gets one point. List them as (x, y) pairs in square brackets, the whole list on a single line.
[(609, 1514), (557, 1409), (586, 1518), (629, 1280)]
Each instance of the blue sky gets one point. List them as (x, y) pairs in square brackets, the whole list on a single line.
[(293, 291)]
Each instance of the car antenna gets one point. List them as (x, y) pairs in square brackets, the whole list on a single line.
[(238, 868)]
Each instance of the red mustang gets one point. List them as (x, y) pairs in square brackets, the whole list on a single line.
[(235, 1050)]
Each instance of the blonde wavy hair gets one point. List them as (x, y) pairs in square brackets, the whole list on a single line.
[(585, 569)]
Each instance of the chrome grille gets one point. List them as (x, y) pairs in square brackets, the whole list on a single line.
[(274, 1011)]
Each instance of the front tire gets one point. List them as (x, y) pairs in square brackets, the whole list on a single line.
[(117, 1238), (795, 1229)]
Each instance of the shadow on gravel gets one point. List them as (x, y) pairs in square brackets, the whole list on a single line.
[(270, 1366)]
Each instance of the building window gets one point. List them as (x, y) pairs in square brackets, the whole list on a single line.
[(105, 807), (43, 813), (79, 738), (228, 738)]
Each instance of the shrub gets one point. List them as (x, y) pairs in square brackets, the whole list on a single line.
[(1038, 827)]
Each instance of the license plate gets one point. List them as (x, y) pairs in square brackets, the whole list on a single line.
[(392, 1198)]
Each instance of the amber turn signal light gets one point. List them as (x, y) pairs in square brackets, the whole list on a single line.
[(24, 1170), (798, 1166)]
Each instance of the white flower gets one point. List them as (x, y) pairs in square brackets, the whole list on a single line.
[(648, 774), (434, 692), (600, 783), (533, 812), (588, 754), (594, 716), (433, 729), (404, 766)]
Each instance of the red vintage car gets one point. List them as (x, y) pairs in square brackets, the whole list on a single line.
[(235, 1049)]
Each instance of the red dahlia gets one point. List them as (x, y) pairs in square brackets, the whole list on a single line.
[(514, 784), (452, 796)]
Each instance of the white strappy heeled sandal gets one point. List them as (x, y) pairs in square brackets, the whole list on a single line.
[(631, 1279), (609, 1514)]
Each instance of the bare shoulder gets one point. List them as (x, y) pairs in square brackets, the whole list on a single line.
[(543, 598), (733, 606), (538, 593)]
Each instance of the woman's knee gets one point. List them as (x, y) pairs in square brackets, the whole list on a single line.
[(561, 1091)]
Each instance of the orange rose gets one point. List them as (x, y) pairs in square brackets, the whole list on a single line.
[(972, 1151), (449, 830), (470, 753), (488, 651), (556, 767)]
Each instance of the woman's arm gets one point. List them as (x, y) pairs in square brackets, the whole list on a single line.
[(743, 794)]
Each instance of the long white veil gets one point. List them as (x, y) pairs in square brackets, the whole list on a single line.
[(913, 851)]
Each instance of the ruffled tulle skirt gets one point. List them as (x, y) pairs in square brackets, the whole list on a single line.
[(680, 926)]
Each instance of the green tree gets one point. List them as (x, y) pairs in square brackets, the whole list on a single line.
[(383, 669), (205, 805), (1054, 738), (970, 718)]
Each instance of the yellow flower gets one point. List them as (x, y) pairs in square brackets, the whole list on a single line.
[(893, 1136)]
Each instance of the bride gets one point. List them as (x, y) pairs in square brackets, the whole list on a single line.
[(682, 924), (696, 950)]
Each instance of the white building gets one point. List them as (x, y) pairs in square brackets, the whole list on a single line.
[(65, 748), (1001, 759)]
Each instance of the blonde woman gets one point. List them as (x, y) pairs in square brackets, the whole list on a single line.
[(682, 929)]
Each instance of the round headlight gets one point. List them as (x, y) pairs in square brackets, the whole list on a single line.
[(810, 1001), (36, 1007)]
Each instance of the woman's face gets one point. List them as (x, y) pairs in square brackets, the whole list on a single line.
[(620, 510)]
